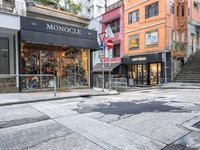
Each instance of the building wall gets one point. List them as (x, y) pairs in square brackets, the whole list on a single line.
[(144, 25), (119, 36), (194, 12), (91, 8), (96, 24), (110, 2), (9, 29)]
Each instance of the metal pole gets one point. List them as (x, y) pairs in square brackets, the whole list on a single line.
[(165, 67), (103, 71), (54, 87), (109, 70)]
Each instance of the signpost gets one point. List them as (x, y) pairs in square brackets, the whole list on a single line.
[(110, 46), (101, 55), (102, 36), (109, 34)]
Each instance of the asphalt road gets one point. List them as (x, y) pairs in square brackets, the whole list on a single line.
[(140, 120)]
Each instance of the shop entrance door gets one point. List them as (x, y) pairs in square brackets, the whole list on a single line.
[(155, 72), (137, 74), (4, 56)]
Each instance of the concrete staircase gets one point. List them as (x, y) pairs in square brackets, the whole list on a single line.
[(190, 73)]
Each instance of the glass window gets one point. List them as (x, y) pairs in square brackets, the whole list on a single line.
[(99, 9), (151, 10), (133, 42), (115, 26), (171, 7), (155, 74), (116, 50), (152, 38), (133, 17), (183, 11), (69, 65), (4, 56)]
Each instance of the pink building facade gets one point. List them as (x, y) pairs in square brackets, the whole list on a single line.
[(114, 17)]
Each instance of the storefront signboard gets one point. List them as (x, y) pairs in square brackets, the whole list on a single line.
[(139, 59), (52, 33)]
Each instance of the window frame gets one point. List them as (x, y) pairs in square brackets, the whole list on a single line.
[(133, 37), (116, 28), (172, 9), (152, 45), (130, 17), (115, 56), (148, 10)]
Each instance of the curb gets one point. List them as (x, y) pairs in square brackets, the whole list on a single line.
[(57, 98)]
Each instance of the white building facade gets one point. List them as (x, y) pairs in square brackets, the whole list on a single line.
[(91, 8)]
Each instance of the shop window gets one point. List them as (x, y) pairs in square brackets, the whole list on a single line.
[(171, 7), (152, 38), (133, 17), (133, 42), (116, 50), (69, 65), (115, 26), (151, 10), (4, 56), (155, 73)]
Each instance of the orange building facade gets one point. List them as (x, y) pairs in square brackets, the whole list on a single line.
[(158, 38)]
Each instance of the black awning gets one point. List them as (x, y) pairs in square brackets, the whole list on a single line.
[(98, 67), (57, 39)]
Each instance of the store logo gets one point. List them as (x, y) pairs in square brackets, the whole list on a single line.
[(63, 29), (33, 24), (139, 59)]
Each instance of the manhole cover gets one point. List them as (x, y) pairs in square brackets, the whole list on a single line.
[(196, 125)]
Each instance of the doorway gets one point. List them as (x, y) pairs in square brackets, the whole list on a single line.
[(155, 73)]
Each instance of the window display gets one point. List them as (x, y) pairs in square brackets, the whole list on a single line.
[(69, 65)]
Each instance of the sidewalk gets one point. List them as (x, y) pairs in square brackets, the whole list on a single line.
[(179, 85), (20, 98)]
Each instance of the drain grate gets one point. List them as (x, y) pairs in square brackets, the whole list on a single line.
[(196, 125)]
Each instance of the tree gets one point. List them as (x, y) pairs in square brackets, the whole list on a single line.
[(71, 7)]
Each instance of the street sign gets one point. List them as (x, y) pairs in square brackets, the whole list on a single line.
[(101, 47), (109, 32), (102, 36), (110, 44)]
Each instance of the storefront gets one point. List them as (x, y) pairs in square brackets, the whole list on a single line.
[(147, 69), (9, 28), (62, 50)]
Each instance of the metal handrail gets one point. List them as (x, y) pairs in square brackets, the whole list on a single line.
[(28, 75)]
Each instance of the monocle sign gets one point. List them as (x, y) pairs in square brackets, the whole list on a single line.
[(64, 29)]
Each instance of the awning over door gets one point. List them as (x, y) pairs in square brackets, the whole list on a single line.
[(98, 67)]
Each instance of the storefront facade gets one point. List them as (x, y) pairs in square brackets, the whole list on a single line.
[(147, 69), (9, 28), (58, 49)]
